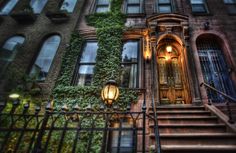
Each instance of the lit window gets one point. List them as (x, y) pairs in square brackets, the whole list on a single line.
[(164, 6), (46, 55), (102, 6), (8, 7), (38, 5), (134, 6), (231, 6), (199, 6), (68, 5), (123, 140), (129, 64), (9, 50), (84, 70)]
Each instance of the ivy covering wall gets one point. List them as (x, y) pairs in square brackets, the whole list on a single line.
[(109, 30)]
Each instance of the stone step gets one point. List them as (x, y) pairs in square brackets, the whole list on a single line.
[(179, 108), (198, 148), (186, 119), (197, 138), (187, 128), (182, 113)]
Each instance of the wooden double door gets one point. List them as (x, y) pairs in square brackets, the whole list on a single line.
[(172, 80)]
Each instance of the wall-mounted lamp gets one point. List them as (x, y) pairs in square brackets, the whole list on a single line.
[(110, 92)]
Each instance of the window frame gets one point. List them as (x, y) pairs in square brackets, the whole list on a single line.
[(38, 54), (204, 4), (158, 4), (4, 4), (64, 1), (227, 5), (41, 9), (101, 5), (121, 122), (140, 4), (138, 62), (14, 51), (75, 79)]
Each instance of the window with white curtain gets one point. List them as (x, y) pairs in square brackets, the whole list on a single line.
[(85, 67), (102, 6), (8, 7), (231, 6), (199, 6), (45, 57), (164, 6), (129, 64), (9, 50), (38, 5), (68, 5), (134, 6)]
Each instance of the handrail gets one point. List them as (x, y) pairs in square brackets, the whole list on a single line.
[(228, 97), (156, 127), (220, 92)]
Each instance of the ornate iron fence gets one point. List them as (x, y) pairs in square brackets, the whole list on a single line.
[(80, 131)]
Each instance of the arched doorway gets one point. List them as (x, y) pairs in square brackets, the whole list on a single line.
[(215, 69), (172, 76)]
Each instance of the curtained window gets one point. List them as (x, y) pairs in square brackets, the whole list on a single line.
[(84, 70), (129, 64)]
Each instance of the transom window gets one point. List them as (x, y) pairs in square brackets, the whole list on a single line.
[(199, 6), (8, 7), (85, 67), (68, 5), (129, 64), (46, 55), (164, 6), (102, 6), (231, 6), (9, 51), (38, 5), (134, 6)]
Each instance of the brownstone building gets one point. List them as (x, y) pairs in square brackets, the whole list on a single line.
[(178, 54)]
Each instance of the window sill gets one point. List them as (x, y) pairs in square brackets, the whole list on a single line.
[(137, 15), (202, 14), (24, 17), (58, 16)]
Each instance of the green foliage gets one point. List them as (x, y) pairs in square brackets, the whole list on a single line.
[(69, 59)]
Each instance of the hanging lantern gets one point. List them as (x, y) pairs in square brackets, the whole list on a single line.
[(110, 92)]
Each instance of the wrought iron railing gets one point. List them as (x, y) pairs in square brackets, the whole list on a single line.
[(227, 102), (155, 119), (23, 130)]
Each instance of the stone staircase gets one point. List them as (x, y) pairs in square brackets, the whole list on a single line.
[(191, 129)]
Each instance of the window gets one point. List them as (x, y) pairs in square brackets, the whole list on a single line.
[(7, 8), (129, 64), (38, 5), (46, 55), (68, 5), (102, 6), (84, 70), (214, 68), (9, 50), (124, 139), (231, 6), (134, 6), (164, 6), (199, 6)]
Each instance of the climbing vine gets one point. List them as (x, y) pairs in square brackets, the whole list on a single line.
[(109, 30)]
